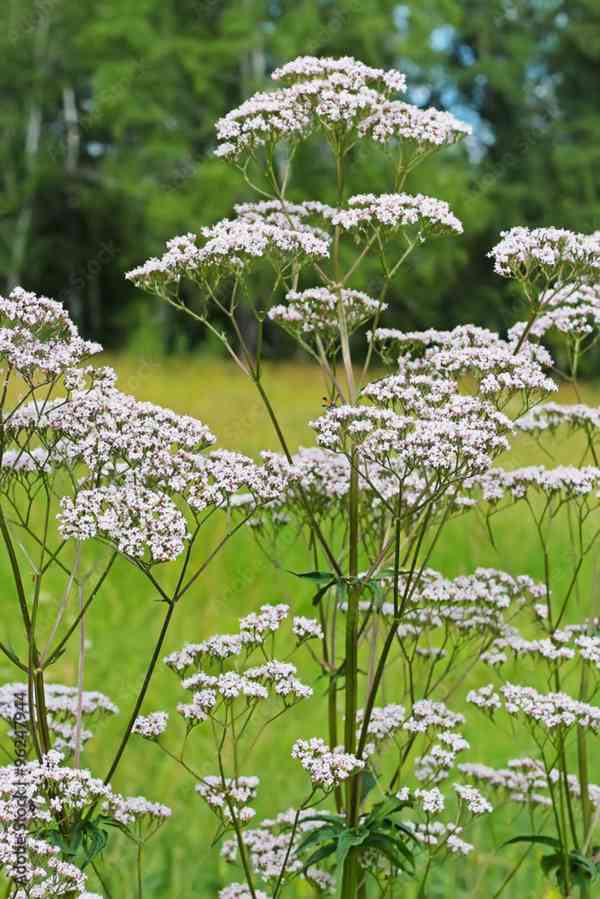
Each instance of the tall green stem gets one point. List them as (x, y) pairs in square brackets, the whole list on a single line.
[(350, 875)]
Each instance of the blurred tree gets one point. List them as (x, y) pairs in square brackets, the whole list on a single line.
[(107, 134)]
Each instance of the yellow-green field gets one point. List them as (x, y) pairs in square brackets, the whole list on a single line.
[(125, 620)]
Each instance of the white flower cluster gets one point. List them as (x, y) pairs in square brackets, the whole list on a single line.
[(251, 685), (525, 781), (315, 312), (142, 524), (263, 119), (324, 477), (225, 687), (275, 212), (461, 435), (485, 698), (105, 429), (240, 891), (431, 801), (549, 711), (330, 92), (327, 768), (151, 726), (564, 482), (552, 416), (37, 335), (341, 94), (396, 211), (497, 369), (272, 849), (552, 255), (573, 310), (473, 604), (437, 763), (305, 68), (474, 801), (428, 128), (562, 646), (282, 676), (64, 706), (589, 649), (37, 867), (384, 722), (229, 797), (254, 629), (138, 811), (306, 629), (140, 459), (522, 780), (436, 835), (427, 715), (227, 248), (56, 793)]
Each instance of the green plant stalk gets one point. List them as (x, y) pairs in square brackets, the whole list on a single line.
[(561, 827), (234, 822), (142, 694), (582, 752), (140, 885), (582, 747), (350, 874)]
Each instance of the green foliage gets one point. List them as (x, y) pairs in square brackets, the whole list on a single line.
[(378, 830), (579, 869), (81, 841)]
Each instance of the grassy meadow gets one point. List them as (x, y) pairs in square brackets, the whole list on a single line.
[(125, 620)]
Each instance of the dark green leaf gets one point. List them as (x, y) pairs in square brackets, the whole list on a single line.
[(387, 807), (325, 816), (391, 850), (534, 838), (367, 782), (321, 593), (314, 575), (318, 836), (347, 840), (320, 854)]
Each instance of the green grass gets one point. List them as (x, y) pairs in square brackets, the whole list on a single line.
[(125, 621)]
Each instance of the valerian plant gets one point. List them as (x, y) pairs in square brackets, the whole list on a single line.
[(390, 793)]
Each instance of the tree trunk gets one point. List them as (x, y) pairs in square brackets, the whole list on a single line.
[(33, 133)]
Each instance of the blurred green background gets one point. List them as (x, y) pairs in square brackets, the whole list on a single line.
[(108, 111)]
